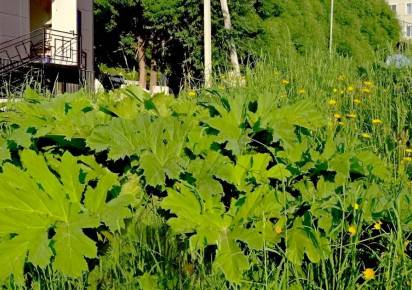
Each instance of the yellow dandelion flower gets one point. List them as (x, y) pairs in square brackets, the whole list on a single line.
[(351, 116), (356, 101), (366, 90), (408, 150), (278, 230), (366, 136), (192, 94), (337, 116), (407, 159), (284, 82), (188, 268), (368, 83), (332, 102), (377, 122), (350, 89), (301, 91), (356, 206), (369, 274), (352, 230), (378, 225)]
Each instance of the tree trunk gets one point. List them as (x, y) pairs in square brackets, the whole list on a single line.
[(142, 62), (153, 75), (207, 42), (228, 26)]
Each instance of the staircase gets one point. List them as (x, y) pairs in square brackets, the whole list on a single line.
[(39, 57)]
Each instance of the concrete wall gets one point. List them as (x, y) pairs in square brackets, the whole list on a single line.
[(404, 17), (14, 19)]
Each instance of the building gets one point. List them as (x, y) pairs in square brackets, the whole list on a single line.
[(51, 39), (403, 10)]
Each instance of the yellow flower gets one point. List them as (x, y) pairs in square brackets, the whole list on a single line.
[(351, 116), (368, 83), (356, 101), (301, 91), (408, 150), (377, 225), (284, 82), (278, 230), (369, 274), (366, 90), (337, 116), (377, 121), (366, 136), (356, 206), (192, 94), (332, 102), (350, 89), (188, 268), (407, 159), (352, 230), (335, 90)]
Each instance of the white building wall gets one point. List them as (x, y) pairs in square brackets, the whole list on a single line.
[(400, 7), (64, 18), (14, 19)]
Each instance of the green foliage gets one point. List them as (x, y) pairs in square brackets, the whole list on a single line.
[(173, 31), (235, 174), (42, 213)]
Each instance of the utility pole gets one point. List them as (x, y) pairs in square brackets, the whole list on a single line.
[(331, 26), (207, 42)]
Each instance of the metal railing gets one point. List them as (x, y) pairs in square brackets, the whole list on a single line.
[(44, 46)]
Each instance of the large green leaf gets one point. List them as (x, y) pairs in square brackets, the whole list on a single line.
[(34, 200)]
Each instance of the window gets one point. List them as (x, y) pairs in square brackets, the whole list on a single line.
[(409, 30), (409, 8), (393, 7)]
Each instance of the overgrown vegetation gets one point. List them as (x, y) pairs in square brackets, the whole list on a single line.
[(299, 179), (167, 35)]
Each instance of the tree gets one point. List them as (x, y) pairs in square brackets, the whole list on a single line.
[(207, 41), (171, 32), (228, 26), (116, 33)]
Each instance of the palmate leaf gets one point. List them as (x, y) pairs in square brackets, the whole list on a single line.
[(204, 171), (120, 137), (284, 120), (301, 241), (71, 116), (230, 124), (158, 142), (34, 200), (204, 216), (230, 259)]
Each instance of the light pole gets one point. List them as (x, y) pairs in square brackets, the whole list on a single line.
[(331, 26), (207, 42)]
